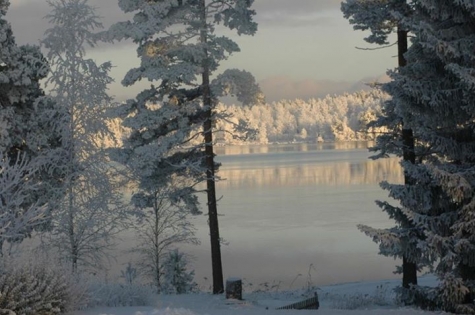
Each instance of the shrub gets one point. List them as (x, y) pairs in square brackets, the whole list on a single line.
[(382, 296), (117, 294), (33, 289), (177, 278)]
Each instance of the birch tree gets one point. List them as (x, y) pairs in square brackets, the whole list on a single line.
[(162, 215), (172, 121), (92, 212)]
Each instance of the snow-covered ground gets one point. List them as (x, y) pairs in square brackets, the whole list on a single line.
[(364, 298)]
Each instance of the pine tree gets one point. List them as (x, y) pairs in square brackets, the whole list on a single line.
[(383, 18), (178, 280), (172, 123), (92, 211), (434, 95), (30, 148)]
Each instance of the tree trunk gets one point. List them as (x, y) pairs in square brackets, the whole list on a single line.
[(218, 285), (409, 269), (74, 258), (401, 46), (156, 264), (467, 273), (71, 230)]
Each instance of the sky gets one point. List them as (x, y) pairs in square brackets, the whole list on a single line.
[(303, 48)]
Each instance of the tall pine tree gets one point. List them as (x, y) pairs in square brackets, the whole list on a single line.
[(435, 95), (172, 122), (383, 18)]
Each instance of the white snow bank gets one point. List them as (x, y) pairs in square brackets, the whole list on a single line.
[(376, 296)]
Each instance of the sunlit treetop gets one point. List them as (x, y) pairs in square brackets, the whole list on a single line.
[(380, 17), (169, 34)]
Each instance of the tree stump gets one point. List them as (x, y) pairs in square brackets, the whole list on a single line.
[(234, 288)]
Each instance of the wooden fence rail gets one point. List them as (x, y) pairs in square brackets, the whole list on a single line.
[(308, 304)]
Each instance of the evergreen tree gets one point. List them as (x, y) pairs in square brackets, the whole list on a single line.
[(30, 149), (434, 95), (178, 279), (172, 123), (92, 210), (383, 18)]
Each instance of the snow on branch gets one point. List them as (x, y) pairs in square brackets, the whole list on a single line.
[(18, 214)]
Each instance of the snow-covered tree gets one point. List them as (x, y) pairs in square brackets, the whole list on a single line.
[(434, 96), (16, 217), (316, 116), (30, 148), (382, 18), (180, 50), (177, 278), (163, 222), (92, 210)]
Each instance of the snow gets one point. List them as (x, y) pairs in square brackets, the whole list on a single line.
[(332, 299)]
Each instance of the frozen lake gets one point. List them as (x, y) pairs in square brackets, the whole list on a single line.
[(287, 207)]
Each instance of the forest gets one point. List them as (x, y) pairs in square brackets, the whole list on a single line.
[(333, 118), (68, 149)]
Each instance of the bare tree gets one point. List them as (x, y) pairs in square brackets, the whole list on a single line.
[(163, 223)]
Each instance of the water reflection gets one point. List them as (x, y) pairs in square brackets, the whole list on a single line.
[(286, 207), (334, 174), (269, 166), (290, 147)]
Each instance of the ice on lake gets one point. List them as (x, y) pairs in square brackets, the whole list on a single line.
[(289, 212)]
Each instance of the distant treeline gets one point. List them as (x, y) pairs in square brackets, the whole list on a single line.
[(333, 118)]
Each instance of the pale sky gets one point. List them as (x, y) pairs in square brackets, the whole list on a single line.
[(303, 48)]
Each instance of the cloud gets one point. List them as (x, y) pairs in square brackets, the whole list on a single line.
[(283, 87), (29, 24), (295, 7), (27, 21), (296, 13), (17, 3)]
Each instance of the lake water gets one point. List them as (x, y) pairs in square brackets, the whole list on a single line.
[(290, 209)]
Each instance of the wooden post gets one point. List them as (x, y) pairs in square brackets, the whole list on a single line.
[(234, 288)]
